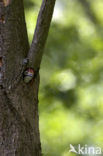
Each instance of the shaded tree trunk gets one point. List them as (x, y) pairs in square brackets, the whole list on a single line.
[(19, 128)]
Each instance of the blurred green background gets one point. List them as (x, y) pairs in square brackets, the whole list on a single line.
[(71, 88)]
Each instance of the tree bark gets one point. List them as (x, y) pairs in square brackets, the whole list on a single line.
[(19, 128)]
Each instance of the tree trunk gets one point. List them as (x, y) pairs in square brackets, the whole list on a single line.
[(19, 129), (19, 133)]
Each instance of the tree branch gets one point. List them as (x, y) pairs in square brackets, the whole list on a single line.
[(41, 33), (87, 8)]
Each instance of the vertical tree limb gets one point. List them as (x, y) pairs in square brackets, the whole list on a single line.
[(41, 33), (87, 8), (13, 40)]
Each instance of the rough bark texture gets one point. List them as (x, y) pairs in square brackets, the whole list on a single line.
[(19, 129)]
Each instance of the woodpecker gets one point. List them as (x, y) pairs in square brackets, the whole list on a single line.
[(28, 75)]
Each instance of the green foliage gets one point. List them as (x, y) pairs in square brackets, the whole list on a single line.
[(71, 101)]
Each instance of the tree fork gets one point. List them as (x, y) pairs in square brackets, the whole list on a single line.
[(19, 128)]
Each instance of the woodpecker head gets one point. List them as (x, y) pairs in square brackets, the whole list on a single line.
[(28, 75)]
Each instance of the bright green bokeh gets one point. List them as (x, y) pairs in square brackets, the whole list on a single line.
[(71, 88)]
